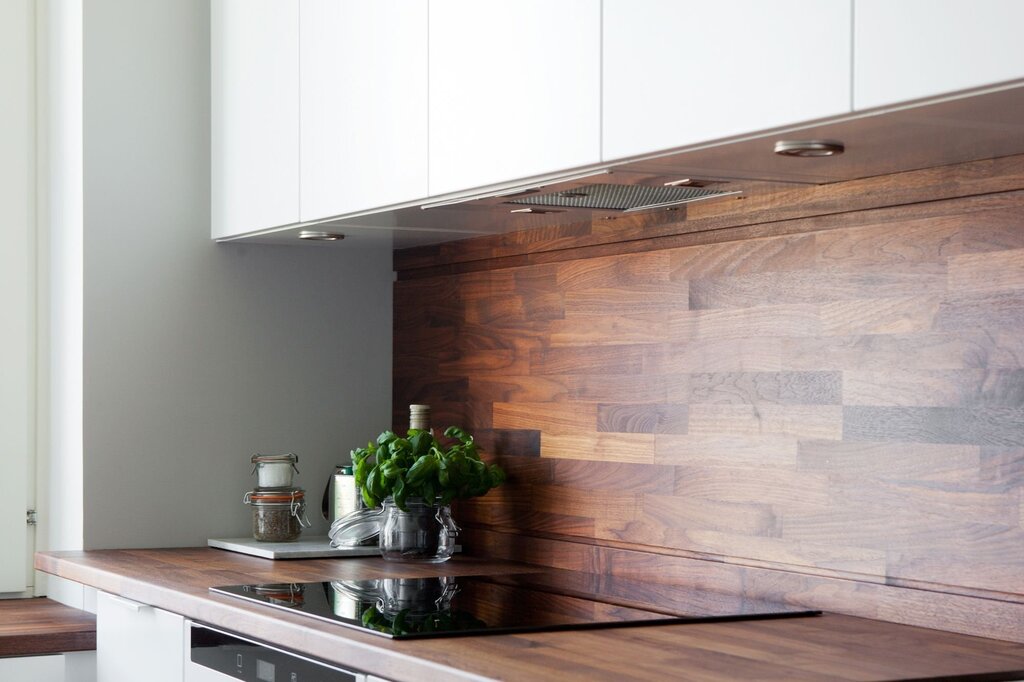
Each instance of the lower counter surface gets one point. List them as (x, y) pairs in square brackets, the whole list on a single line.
[(830, 647)]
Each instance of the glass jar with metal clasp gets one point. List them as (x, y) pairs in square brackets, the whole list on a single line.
[(422, 532), (277, 515), (275, 471)]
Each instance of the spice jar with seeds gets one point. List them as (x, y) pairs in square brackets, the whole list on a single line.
[(278, 515)]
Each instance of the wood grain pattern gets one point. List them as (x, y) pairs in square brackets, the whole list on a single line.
[(666, 572), (830, 647), (34, 627), (643, 418), (784, 388), (547, 417), (817, 285), (939, 388), (832, 378), (980, 425), (825, 206)]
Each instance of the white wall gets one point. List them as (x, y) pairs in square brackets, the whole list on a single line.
[(197, 355), (60, 273)]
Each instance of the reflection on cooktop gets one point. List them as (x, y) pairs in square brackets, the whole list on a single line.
[(444, 606)]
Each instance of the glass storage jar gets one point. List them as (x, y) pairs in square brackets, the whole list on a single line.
[(274, 471), (422, 533), (277, 516)]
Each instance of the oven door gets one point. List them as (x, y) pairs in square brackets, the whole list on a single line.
[(215, 655)]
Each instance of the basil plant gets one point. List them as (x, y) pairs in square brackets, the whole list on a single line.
[(421, 466)]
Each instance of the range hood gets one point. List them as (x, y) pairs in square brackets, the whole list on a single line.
[(611, 197), (980, 124)]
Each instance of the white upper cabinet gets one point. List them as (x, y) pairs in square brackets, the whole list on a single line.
[(319, 108), (909, 49), (514, 89), (682, 72), (363, 105), (255, 115)]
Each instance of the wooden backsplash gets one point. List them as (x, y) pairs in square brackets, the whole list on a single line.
[(816, 395)]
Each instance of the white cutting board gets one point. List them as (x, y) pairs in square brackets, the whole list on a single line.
[(311, 547)]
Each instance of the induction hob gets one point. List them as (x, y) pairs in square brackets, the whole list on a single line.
[(448, 606)]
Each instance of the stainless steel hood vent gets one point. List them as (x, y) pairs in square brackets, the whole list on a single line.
[(608, 197)]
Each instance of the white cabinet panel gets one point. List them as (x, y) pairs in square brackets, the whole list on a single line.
[(80, 666), (32, 669), (680, 72), (364, 105), (137, 642), (255, 114), (908, 49), (17, 287), (514, 90)]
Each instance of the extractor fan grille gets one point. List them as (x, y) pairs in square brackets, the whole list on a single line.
[(620, 197)]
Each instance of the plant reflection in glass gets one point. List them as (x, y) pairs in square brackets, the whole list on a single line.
[(417, 606)]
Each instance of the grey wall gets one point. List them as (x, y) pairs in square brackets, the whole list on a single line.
[(197, 355)]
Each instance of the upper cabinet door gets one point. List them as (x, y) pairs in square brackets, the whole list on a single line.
[(919, 48), (364, 105), (681, 72), (255, 115), (514, 89)]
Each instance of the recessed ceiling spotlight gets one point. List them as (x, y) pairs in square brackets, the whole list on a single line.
[(809, 148), (314, 236)]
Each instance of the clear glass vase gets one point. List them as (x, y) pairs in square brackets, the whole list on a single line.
[(424, 533)]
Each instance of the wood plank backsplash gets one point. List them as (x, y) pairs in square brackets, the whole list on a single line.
[(840, 396)]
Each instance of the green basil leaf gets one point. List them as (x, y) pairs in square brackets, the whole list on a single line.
[(422, 469), (375, 484), (398, 446), (399, 492), (368, 498), (420, 443), (362, 469)]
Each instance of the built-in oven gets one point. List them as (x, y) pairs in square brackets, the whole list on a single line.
[(216, 655)]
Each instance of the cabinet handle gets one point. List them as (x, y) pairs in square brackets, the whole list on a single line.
[(126, 603)]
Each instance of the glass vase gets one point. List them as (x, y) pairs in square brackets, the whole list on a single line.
[(424, 533)]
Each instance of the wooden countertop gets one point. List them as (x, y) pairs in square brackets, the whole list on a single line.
[(831, 647), (32, 627)]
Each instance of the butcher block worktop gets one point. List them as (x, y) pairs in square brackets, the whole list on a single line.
[(36, 627), (813, 648)]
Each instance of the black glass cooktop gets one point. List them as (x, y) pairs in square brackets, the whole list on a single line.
[(447, 606)]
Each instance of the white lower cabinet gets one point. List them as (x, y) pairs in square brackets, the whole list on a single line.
[(76, 666), (137, 642), (32, 669), (80, 666)]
